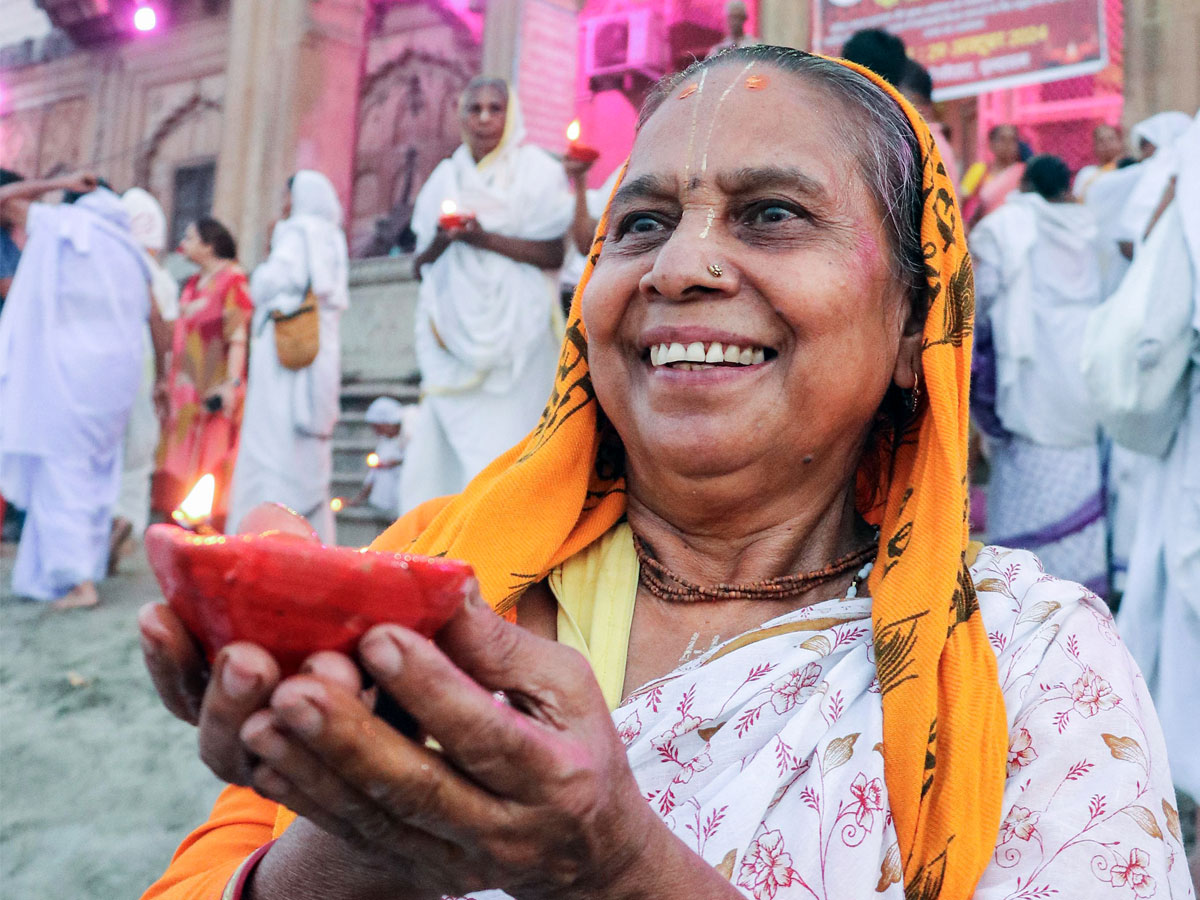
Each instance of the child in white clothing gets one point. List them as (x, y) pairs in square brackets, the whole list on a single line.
[(381, 489)]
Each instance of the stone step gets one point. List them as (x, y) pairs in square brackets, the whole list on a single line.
[(353, 425), (346, 484), (351, 456), (357, 526), (357, 395)]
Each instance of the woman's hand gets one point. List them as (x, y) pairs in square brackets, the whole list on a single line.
[(470, 232), (162, 399), (219, 699), (532, 793), (80, 182), (220, 398), (577, 170)]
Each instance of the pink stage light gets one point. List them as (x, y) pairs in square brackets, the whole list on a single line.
[(145, 18)]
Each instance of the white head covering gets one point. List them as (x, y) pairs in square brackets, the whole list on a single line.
[(385, 411), (147, 221), (1164, 131), (313, 195), (317, 211), (1161, 129), (514, 132)]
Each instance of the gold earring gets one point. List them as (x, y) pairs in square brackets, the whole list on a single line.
[(912, 396), (715, 270)]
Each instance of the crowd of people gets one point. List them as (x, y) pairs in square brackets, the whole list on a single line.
[(642, 483), (115, 386)]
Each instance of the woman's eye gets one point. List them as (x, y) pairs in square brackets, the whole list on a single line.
[(770, 213), (640, 223)]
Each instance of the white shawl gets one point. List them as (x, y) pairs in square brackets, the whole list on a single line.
[(490, 312), (71, 334), (308, 249), (1162, 130), (1049, 262)]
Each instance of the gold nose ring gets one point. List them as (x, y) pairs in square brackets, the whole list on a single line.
[(715, 270)]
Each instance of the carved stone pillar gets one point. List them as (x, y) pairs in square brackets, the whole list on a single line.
[(291, 102), (1162, 67), (784, 22), (501, 30)]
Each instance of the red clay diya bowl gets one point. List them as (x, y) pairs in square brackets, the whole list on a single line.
[(294, 596)]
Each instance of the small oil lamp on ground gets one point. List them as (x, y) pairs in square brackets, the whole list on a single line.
[(452, 217), (576, 150)]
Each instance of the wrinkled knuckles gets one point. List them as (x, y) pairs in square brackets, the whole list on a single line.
[(417, 799), (269, 783)]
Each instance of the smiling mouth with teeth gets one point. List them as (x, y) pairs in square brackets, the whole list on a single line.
[(698, 355)]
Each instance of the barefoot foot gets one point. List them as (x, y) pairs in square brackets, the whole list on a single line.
[(79, 597)]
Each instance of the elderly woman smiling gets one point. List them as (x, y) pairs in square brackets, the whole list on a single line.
[(762, 393)]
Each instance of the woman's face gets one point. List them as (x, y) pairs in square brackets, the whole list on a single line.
[(762, 184), (193, 247), (1005, 145), (483, 114), (1107, 144)]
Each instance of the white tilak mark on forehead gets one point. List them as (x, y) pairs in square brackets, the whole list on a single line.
[(708, 220), (716, 112), (687, 164)]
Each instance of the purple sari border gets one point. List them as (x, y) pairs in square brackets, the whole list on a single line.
[(1091, 511)]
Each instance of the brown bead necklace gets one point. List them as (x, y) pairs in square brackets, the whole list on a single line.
[(666, 585)]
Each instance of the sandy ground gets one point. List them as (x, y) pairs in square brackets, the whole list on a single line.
[(98, 782)]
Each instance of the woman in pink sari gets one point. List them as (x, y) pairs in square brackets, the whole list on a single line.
[(985, 185), (204, 391)]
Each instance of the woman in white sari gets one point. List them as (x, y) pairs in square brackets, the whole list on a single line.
[(1037, 278), (286, 448), (782, 701), (485, 332), (1160, 612), (131, 514), (1122, 203)]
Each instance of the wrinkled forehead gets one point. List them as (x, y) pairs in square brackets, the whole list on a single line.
[(744, 116), (484, 93)]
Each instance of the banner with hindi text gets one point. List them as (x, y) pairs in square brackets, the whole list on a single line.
[(973, 46)]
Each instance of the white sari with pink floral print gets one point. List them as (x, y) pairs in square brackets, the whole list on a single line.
[(763, 755)]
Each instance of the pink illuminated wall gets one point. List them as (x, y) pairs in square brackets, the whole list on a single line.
[(608, 114)]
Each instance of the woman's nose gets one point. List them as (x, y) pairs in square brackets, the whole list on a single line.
[(690, 263)]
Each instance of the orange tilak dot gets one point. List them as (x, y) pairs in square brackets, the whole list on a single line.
[(688, 91), (756, 82)]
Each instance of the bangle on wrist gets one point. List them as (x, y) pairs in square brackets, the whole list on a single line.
[(236, 885)]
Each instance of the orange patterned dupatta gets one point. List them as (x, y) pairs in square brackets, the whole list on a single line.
[(944, 725)]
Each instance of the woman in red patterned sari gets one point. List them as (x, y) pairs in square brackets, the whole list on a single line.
[(204, 391)]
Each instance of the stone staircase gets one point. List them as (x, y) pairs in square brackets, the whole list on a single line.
[(378, 360)]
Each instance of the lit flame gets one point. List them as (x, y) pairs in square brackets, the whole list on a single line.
[(197, 505), (449, 207), (336, 504), (373, 460), (573, 131)]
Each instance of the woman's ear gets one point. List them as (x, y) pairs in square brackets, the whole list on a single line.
[(908, 360)]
